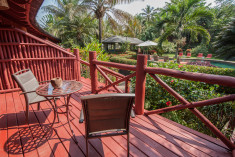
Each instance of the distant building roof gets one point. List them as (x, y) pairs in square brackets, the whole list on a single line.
[(120, 39)]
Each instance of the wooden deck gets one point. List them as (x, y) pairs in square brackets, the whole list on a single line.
[(149, 136)]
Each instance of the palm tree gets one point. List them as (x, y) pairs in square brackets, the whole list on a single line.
[(225, 43), (105, 8), (148, 12), (70, 22), (179, 20)]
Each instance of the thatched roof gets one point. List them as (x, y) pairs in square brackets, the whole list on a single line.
[(120, 39), (22, 13)]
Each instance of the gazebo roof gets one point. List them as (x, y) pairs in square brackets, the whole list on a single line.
[(22, 13), (120, 39)]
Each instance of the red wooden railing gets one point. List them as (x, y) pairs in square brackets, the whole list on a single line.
[(21, 50), (141, 71)]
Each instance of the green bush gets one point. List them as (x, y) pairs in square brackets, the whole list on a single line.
[(123, 60), (128, 58), (200, 49), (156, 97)]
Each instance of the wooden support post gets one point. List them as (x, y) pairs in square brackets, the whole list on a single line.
[(127, 86), (93, 72), (140, 84), (78, 73)]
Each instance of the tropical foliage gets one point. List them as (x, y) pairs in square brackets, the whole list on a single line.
[(225, 44), (157, 97), (185, 24)]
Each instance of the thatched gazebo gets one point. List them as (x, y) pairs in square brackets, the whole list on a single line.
[(114, 42)]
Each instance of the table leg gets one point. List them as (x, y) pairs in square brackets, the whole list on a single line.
[(67, 112), (54, 116)]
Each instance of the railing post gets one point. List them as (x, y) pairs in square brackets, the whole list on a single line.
[(140, 84), (76, 53), (127, 86), (93, 72)]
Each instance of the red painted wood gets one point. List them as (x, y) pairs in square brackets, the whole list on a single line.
[(93, 72), (184, 132), (140, 84), (117, 82), (108, 79), (12, 43), (78, 72), (169, 89), (15, 133), (164, 135), (4, 69), (193, 104), (207, 78), (116, 65), (215, 130), (191, 132), (3, 126), (127, 86), (111, 72), (43, 41), (20, 51), (8, 51)]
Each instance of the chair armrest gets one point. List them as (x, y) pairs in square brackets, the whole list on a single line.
[(44, 81), (27, 92)]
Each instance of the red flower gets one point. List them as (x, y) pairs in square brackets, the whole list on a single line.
[(168, 103), (172, 80), (180, 66)]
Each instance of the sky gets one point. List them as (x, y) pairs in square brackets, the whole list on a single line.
[(133, 8)]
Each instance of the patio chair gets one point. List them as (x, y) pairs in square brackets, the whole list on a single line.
[(188, 54), (28, 84), (181, 54), (200, 55), (209, 56), (107, 115)]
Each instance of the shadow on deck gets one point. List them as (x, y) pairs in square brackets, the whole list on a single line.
[(149, 136)]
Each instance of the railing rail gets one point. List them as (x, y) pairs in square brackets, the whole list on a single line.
[(141, 71)]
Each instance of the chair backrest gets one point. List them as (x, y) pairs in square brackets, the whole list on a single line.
[(209, 55), (27, 82), (181, 54), (104, 112), (188, 54), (200, 55)]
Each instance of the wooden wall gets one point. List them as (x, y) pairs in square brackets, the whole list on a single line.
[(21, 50)]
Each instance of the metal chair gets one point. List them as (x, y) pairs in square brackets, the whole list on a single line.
[(107, 115), (28, 84)]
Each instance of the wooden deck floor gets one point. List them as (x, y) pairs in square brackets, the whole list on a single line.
[(149, 136)]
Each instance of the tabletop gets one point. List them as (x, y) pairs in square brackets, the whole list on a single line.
[(68, 87)]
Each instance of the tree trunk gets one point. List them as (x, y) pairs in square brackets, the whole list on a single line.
[(100, 29)]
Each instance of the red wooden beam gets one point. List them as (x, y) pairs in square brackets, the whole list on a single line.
[(108, 79), (38, 59), (111, 72), (116, 65), (169, 89), (140, 84), (117, 82), (76, 52), (208, 78), (84, 62), (93, 72), (216, 131), (43, 41), (193, 104)]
